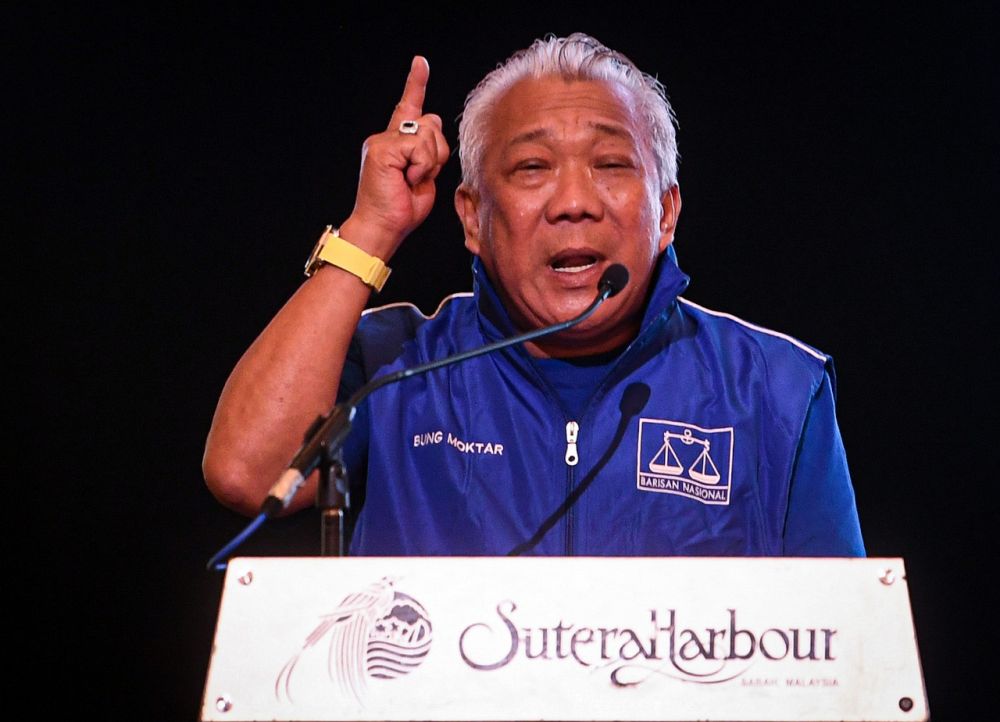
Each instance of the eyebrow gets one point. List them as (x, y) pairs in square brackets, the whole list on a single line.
[(543, 133)]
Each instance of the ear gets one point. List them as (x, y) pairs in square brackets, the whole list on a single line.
[(670, 210), (467, 207)]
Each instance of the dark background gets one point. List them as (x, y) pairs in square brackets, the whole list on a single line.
[(172, 169)]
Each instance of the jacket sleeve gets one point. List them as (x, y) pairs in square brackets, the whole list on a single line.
[(822, 517)]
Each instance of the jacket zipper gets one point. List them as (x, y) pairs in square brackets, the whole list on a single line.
[(572, 432), (572, 459)]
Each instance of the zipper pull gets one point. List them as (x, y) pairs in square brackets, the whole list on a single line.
[(572, 430)]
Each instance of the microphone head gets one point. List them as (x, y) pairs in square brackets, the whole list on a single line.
[(614, 279)]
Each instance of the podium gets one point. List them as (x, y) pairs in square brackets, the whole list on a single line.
[(564, 638)]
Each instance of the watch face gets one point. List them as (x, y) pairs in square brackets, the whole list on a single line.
[(313, 263)]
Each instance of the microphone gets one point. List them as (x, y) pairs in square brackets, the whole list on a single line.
[(613, 280), (328, 433)]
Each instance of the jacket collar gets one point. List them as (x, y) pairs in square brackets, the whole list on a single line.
[(669, 281)]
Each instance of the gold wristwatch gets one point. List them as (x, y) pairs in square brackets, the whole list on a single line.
[(332, 249)]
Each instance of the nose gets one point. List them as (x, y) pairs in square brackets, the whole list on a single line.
[(575, 196)]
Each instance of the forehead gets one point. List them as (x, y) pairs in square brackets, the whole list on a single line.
[(554, 108)]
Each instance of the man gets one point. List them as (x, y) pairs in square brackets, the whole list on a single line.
[(654, 427)]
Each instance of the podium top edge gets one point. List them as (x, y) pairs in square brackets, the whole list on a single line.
[(625, 559)]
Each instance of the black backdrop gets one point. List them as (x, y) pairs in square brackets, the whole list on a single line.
[(173, 168)]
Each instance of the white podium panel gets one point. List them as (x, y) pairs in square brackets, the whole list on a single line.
[(564, 638)]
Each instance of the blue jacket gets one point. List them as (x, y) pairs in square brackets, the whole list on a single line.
[(708, 437)]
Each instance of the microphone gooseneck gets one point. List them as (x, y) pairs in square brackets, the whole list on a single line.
[(327, 434), (330, 434)]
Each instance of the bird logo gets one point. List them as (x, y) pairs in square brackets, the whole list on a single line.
[(377, 633)]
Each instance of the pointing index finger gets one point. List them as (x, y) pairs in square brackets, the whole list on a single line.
[(411, 105)]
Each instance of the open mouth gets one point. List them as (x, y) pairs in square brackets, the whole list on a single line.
[(573, 262)]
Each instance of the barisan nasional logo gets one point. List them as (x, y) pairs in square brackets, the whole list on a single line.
[(686, 460), (378, 633)]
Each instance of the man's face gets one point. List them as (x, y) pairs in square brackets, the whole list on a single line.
[(569, 188)]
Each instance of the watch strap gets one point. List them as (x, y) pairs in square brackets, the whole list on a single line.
[(340, 253)]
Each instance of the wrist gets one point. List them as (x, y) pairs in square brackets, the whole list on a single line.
[(370, 238)]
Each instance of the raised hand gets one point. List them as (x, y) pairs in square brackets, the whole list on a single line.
[(396, 189)]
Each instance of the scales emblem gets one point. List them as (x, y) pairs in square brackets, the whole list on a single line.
[(671, 464), (687, 460)]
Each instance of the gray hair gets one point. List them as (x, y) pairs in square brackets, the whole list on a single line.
[(576, 57)]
